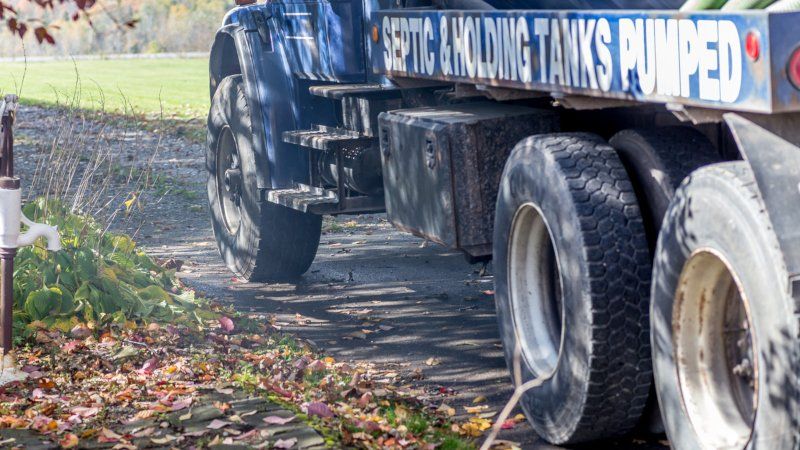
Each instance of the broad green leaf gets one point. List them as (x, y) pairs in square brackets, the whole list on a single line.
[(41, 302)]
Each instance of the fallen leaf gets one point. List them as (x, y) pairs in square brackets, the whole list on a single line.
[(357, 334), (107, 435), (70, 346), (128, 351), (476, 409), (500, 444), (433, 361), (226, 324), (181, 404), (475, 427), (478, 399), (149, 366), (285, 443), (163, 440), (216, 424), (69, 441), (80, 332), (85, 412), (445, 409), (275, 420), (319, 409)]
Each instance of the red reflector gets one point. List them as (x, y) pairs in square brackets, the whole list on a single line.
[(752, 45), (794, 68), (244, 2)]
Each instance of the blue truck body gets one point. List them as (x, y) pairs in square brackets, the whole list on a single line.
[(696, 59), (286, 47)]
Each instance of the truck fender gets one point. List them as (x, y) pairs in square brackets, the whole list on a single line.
[(250, 46), (771, 146)]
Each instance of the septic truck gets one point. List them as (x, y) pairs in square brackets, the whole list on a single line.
[(631, 168)]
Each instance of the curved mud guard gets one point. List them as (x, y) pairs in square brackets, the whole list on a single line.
[(278, 102), (771, 145)]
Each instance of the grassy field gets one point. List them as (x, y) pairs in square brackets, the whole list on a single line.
[(141, 86)]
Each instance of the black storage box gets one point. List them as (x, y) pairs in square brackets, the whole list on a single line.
[(442, 167)]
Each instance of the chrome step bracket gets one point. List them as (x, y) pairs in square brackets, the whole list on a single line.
[(302, 198), (326, 138), (372, 91)]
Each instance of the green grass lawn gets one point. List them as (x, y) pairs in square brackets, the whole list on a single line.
[(180, 85)]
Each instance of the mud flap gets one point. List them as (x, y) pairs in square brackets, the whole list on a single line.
[(775, 162), (772, 149)]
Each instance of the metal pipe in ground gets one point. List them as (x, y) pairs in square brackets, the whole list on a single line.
[(7, 296), (7, 182)]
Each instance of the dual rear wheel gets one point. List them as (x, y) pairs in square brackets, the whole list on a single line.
[(576, 307)]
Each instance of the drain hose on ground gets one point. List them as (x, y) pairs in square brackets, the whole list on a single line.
[(512, 402)]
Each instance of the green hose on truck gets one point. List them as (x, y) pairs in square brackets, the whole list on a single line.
[(737, 5)]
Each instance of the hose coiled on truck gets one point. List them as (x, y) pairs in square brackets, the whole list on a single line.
[(738, 5), (784, 6)]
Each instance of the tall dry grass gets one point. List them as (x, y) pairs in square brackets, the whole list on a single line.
[(96, 162)]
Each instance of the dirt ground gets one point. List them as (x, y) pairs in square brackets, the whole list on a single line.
[(373, 293)]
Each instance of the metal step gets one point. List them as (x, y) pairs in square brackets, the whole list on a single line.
[(303, 197), (328, 138), (372, 91), (316, 200)]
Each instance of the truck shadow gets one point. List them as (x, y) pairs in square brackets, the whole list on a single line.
[(377, 295)]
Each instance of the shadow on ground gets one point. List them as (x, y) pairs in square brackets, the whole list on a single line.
[(375, 294)]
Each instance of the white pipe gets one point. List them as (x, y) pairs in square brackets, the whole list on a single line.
[(11, 218), (37, 230)]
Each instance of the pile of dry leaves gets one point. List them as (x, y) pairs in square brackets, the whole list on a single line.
[(182, 386)]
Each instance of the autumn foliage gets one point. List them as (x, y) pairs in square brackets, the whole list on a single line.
[(78, 10)]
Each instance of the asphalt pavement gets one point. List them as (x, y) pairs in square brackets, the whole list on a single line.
[(376, 294)]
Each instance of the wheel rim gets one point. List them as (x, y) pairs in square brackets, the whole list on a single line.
[(714, 352), (229, 180), (535, 288)]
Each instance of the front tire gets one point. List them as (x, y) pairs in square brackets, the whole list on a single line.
[(258, 240), (724, 329), (572, 272)]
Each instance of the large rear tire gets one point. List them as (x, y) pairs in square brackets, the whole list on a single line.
[(258, 240), (724, 328), (572, 272), (658, 159)]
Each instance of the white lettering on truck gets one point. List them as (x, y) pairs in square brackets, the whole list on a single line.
[(654, 56)]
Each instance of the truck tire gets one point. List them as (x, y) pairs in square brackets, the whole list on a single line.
[(258, 240), (724, 329), (572, 273), (658, 159)]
